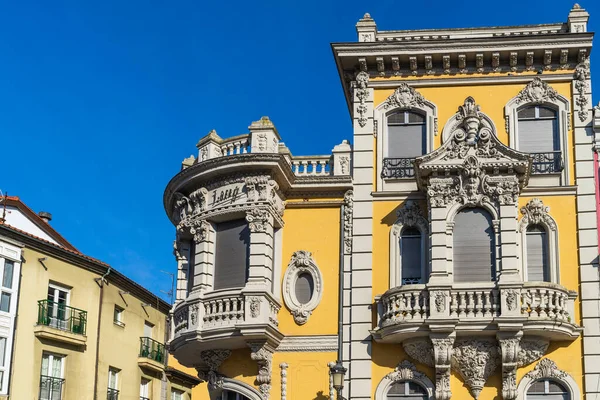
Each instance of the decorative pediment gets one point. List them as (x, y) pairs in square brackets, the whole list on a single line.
[(472, 166), (404, 97), (537, 91)]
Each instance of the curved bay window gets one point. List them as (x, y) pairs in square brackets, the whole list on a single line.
[(406, 390), (547, 389), (474, 246), (538, 264), (411, 253), (406, 140), (538, 135)]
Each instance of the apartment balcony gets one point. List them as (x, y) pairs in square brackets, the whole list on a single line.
[(51, 388), (547, 163), (224, 319), (61, 323), (152, 354), (398, 168), (536, 308)]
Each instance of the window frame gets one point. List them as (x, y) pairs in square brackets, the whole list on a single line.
[(562, 107), (300, 263), (406, 113), (10, 291), (118, 320), (418, 378)]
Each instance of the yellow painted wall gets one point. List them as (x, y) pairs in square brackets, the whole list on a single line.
[(316, 230), (119, 347)]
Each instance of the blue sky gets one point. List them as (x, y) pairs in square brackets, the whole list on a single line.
[(100, 101)]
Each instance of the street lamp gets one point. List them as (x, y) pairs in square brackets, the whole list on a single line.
[(338, 372)]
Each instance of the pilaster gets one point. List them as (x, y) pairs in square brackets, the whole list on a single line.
[(204, 238), (260, 272), (182, 253)]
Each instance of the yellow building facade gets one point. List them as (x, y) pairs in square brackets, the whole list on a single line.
[(449, 252), (83, 330)]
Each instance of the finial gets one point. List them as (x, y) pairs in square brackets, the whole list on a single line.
[(367, 16), (576, 6)]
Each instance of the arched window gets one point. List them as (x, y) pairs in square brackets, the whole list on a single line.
[(539, 134), (411, 256), (406, 135), (538, 263), (406, 390), (474, 246), (547, 389)]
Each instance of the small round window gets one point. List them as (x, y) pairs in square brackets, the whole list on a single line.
[(305, 287)]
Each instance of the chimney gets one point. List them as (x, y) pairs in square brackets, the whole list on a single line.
[(46, 216)]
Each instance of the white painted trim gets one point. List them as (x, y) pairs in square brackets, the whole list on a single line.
[(277, 261), (452, 124), (563, 111), (396, 253), (302, 262), (320, 343), (469, 81), (557, 375), (405, 368)]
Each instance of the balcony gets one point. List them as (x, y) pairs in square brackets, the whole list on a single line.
[(59, 322), (152, 354), (51, 388), (224, 319), (536, 308), (112, 394), (398, 168), (547, 163)]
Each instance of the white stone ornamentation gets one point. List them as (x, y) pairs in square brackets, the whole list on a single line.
[(362, 93), (262, 353), (404, 97), (284, 367), (536, 92), (259, 220), (348, 211), (475, 360), (582, 74), (213, 360), (534, 213), (302, 262), (405, 371)]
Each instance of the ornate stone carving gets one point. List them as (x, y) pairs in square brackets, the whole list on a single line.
[(439, 301), (509, 348), (362, 93), (546, 369), (331, 388), (194, 314), (197, 227), (213, 360), (531, 350), (582, 74), (302, 262), (262, 353), (255, 306), (511, 299), (535, 212), (404, 97), (180, 318), (406, 371), (536, 91), (261, 188), (411, 215), (348, 211), (284, 367), (258, 219), (198, 198), (344, 165), (182, 208), (475, 360), (420, 350), (442, 350)]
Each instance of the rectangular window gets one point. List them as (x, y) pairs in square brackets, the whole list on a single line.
[(118, 316), (113, 384), (5, 302), (176, 394), (232, 254), (148, 329), (145, 389), (2, 351), (58, 300), (7, 275), (52, 376)]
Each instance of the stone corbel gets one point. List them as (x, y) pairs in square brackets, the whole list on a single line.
[(262, 353), (213, 360), (475, 360), (198, 228), (442, 350), (509, 349), (259, 220)]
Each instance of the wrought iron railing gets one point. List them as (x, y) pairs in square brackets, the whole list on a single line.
[(150, 348), (144, 398), (398, 168), (51, 388), (547, 163), (112, 394), (61, 316)]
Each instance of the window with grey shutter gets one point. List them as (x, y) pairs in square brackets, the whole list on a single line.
[(538, 130), (537, 254), (406, 390), (305, 287), (547, 389), (410, 254), (232, 253), (473, 246), (406, 135)]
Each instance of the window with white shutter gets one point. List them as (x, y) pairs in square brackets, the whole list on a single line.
[(538, 265), (474, 246)]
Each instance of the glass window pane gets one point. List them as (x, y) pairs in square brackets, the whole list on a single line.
[(474, 248), (411, 253), (5, 302), (7, 278), (304, 288), (2, 351), (545, 112), (416, 118), (396, 118), (528, 112)]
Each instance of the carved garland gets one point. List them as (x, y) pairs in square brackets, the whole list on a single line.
[(348, 214), (362, 93), (537, 91), (582, 74), (302, 262)]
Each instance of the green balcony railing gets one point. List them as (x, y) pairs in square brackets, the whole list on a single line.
[(150, 348), (62, 317)]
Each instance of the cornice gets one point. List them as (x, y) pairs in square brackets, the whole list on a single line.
[(321, 343), (470, 80)]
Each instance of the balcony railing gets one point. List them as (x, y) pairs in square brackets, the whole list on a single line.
[(150, 348), (547, 163), (112, 394), (51, 388), (61, 316), (546, 307), (144, 398), (398, 168)]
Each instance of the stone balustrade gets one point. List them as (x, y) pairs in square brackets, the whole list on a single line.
[(235, 145), (316, 165), (542, 308)]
